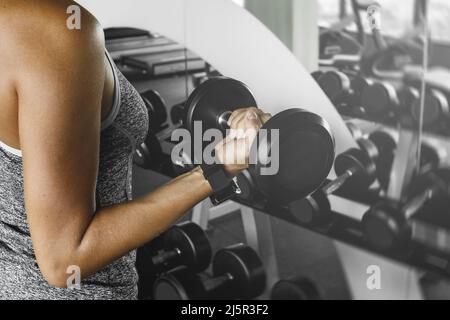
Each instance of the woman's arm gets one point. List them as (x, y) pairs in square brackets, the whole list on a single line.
[(60, 91), (59, 85)]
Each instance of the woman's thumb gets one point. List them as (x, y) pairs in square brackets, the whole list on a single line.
[(252, 120)]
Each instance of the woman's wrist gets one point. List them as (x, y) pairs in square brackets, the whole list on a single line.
[(197, 173)]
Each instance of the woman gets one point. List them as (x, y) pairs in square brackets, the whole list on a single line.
[(68, 124)]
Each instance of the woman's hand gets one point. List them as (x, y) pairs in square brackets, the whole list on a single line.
[(233, 152)]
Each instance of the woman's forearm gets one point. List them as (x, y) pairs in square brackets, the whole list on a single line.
[(117, 230)]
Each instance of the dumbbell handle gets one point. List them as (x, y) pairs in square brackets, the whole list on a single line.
[(223, 119), (335, 185), (165, 257), (216, 287)]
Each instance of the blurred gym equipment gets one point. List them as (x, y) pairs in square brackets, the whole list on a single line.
[(238, 273)]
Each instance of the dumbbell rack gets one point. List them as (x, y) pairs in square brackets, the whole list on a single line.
[(345, 228), (257, 230)]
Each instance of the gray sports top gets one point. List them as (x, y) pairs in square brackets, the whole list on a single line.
[(20, 277)]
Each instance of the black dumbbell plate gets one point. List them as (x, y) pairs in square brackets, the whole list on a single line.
[(193, 244), (306, 149), (215, 97)]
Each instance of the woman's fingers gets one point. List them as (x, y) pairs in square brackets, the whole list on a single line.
[(233, 116), (237, 121), (265, 117)]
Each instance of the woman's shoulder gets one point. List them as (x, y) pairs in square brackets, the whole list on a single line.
[(43, 34), (36, 26)]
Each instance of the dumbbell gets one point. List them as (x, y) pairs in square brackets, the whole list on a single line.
[(183, 245), (345, 94), (359, 84), (306, 144), (407, 96), (178, 113), (380, 100), (299, 288), (238, 273), (354, 166), (336, 85), (355, 131), (436, 110), (149, 154), (431, 157), (317, 74), (386, 146), (386, 226), (157, 110)]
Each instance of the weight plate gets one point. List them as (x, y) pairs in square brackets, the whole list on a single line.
[(366, 168), (369, 148), (168, 287), (436, 108), (359, 84), (178, 113), (156, 108), (296, 289), (192, 243), (178, 284), (246, 269), (334, 84), (384, 228), (355, 131), (215, 97), (380, 98), (430, 158), (384, 142), (314, 210), (407, 96), (316, 75), (306, 151), (436, 177)]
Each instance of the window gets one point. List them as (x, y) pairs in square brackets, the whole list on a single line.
[(439, 19), (239, 2), (396, 16), (329, 11)]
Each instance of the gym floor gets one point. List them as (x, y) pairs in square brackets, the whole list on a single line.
[(298, 252)]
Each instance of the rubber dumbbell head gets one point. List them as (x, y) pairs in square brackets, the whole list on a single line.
[(365, 167), (335, 84), (185, 244), (247, 274), (178, 113), (355, 131), (436, 109), (294, 151), (238, 273), (386, 226), (317, 74), (305, 146), (379, 99), (299, 288), (354, 166), (157, 110), (384, 142), (314, 210)]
